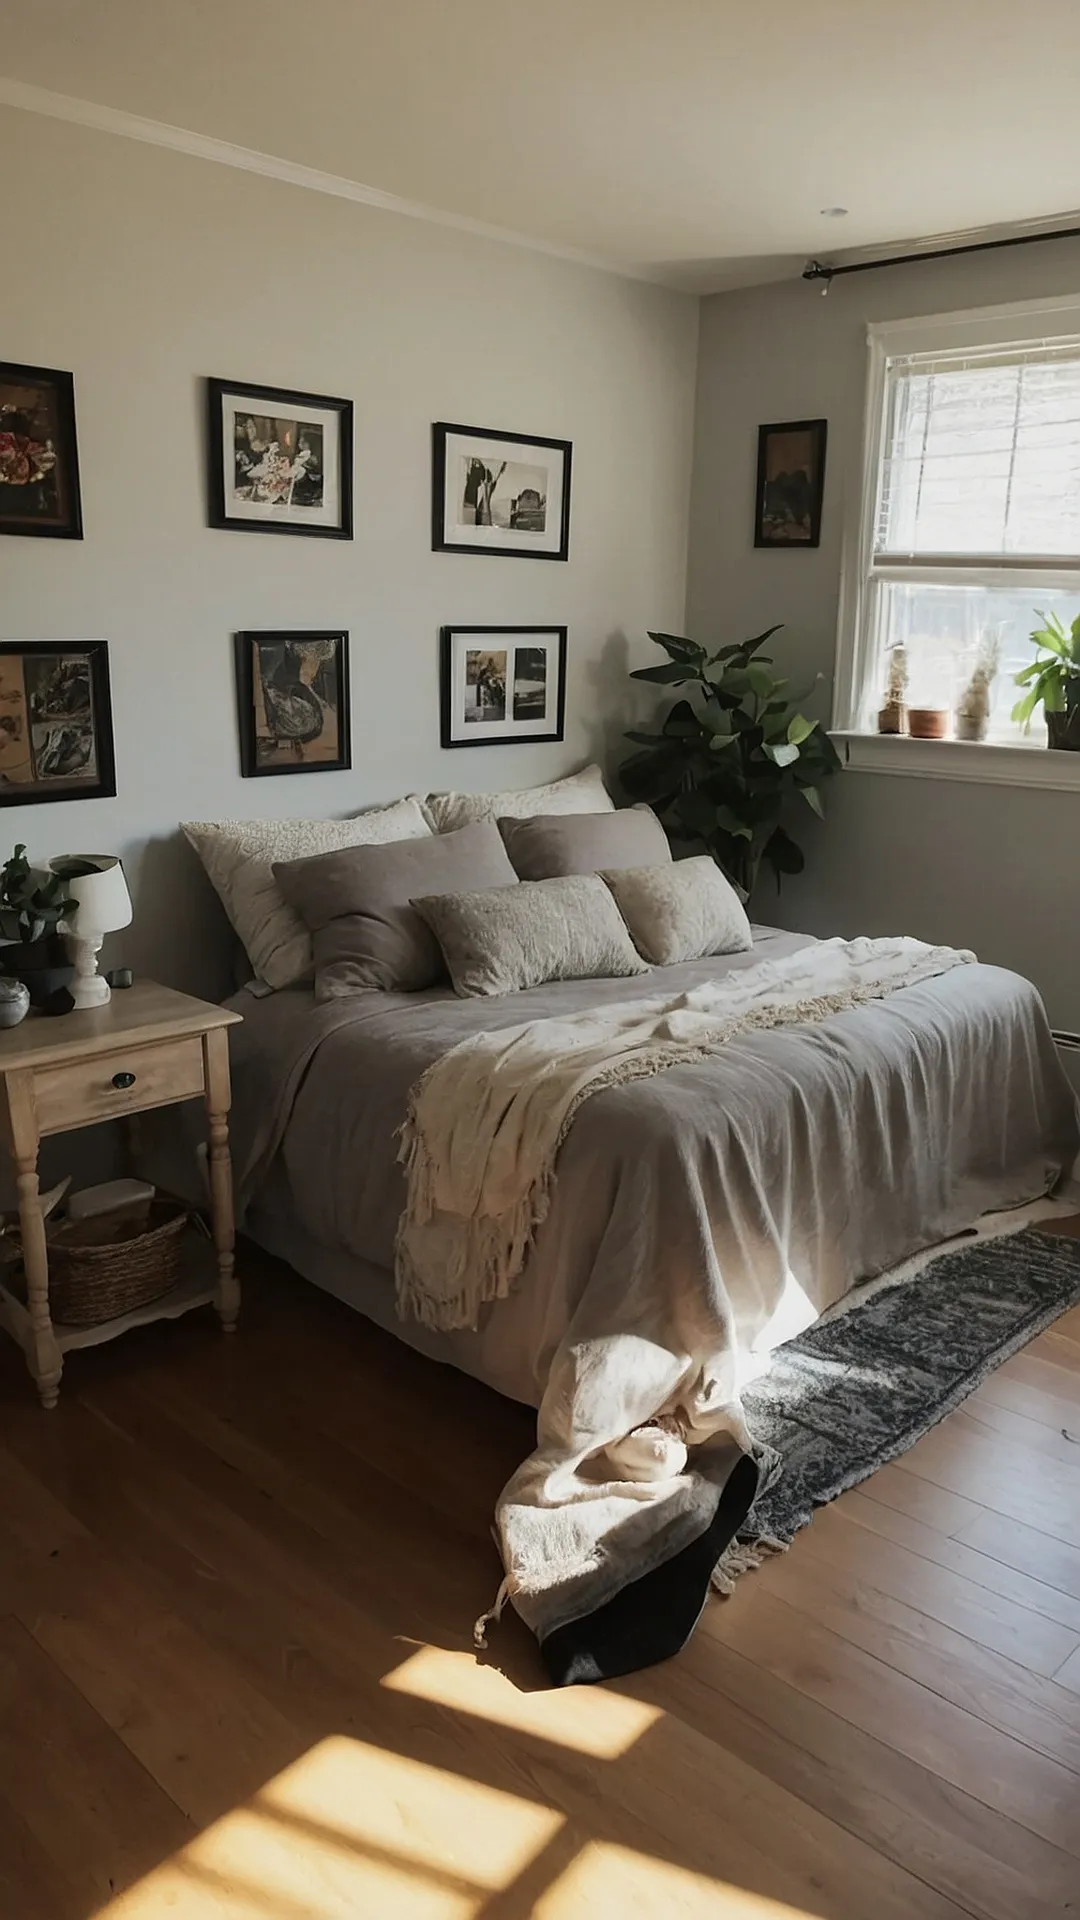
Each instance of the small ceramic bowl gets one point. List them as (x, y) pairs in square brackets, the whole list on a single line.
[(14, 1002)]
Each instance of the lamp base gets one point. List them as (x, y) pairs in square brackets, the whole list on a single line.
[(88, 989)]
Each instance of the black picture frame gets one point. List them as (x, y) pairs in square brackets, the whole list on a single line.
[(37, 407), (452, 722), (789, 515), (517, 542), (269, 402), (50, 738), (296, 696)]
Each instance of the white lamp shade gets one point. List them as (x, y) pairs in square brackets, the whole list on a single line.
[(103, 903)]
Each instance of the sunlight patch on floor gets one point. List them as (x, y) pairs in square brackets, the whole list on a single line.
[(611, 1880), (350, 1830), (585, 1719)]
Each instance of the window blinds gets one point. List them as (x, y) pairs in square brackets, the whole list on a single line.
[(982, 458)]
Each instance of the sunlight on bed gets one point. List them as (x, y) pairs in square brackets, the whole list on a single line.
[(585, 1720), (794, 1312)]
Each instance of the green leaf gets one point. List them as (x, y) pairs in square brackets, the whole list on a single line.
[(783, 855), (784, 755), (800, 729), (665, 676), (761, 680), (813, 799), (686, 651)]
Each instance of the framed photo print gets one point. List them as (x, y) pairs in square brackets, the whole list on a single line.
[(56, 740), (293, 699), (500, 493), (502, 683), (280, 462), (790, 484), (39, 459)]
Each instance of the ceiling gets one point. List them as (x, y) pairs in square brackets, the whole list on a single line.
[(692, 141)]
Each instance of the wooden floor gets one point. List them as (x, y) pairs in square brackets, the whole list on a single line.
[(237, 1584)]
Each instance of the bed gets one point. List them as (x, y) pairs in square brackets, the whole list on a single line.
[(747, 1193)]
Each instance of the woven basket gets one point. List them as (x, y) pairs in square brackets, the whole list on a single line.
[(97, 1270)]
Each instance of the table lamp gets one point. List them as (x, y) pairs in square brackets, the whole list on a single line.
[(96, 883)]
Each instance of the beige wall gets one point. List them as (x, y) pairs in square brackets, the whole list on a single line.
[(991, 867), (143, 271)]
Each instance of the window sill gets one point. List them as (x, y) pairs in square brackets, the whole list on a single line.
[(959, 760)]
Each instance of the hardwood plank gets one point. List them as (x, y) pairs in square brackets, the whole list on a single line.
[(1019, 1546), (1068, 1674), (934, 1506), (990, 1865), (89, 1806), (31, 1887), (1042, 1436), (984, 1683), (1014, 1481), (987, 1618), (962, 1750), (947, 1551)]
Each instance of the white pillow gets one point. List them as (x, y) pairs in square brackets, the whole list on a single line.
[(239, 857), (582, 792)]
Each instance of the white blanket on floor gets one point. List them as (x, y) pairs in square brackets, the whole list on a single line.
[(485, 1122)]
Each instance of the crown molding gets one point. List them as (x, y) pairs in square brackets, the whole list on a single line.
[(223, 153)]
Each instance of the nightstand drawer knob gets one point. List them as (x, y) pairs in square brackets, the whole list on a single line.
[(122, 1081)]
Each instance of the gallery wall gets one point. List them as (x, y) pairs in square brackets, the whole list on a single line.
[(975, 865), (144, 271)]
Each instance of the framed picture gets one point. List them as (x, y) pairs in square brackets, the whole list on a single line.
[(56, 740), (790, 484), (502, 683), (39, 457), (293, 699), (280, 462), (500, 493)]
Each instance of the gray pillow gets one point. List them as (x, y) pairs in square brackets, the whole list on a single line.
[(503, 942), (553, 844), (356, 904), (681, 911)]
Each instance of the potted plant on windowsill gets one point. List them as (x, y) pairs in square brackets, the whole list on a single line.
[(722, 766), (1053, 682), (32, 905)]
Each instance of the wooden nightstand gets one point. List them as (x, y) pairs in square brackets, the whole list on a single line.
[(149, 1047)]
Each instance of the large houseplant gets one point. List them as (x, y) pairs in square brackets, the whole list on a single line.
[(723, 763), (32, 906), (1053, 682)]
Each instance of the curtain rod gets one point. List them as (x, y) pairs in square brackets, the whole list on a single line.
[(819, 270)]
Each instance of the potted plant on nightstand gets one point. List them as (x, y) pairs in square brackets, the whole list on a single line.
[(32, 906), (1053, 682)]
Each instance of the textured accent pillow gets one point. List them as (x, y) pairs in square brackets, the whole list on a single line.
[(239, 858), (582, 792), (681, 911), (554, 844), (518, 937), (356, 905)]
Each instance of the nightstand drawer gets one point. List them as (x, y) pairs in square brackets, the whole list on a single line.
[(111, 1084)]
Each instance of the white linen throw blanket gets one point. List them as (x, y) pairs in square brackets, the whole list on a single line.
[(641, 1454), (485, 1122)]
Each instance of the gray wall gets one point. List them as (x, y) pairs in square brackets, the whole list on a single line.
[(143, 271), (992, 867)]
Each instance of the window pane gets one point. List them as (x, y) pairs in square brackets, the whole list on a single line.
[(946, 631), (982, 459)]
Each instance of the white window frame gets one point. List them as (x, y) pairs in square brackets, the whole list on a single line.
[(1021, 763)]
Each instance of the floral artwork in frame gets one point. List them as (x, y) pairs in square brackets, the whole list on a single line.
[(39, 460), (280, 462)]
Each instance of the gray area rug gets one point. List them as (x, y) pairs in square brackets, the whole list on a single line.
[(845, 1397)]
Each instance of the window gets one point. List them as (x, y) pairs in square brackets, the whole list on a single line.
[(970, 518)]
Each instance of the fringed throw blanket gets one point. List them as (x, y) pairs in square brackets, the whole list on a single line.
[(485, 1122)]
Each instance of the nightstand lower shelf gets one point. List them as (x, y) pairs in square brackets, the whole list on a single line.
[(196, 1288)]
